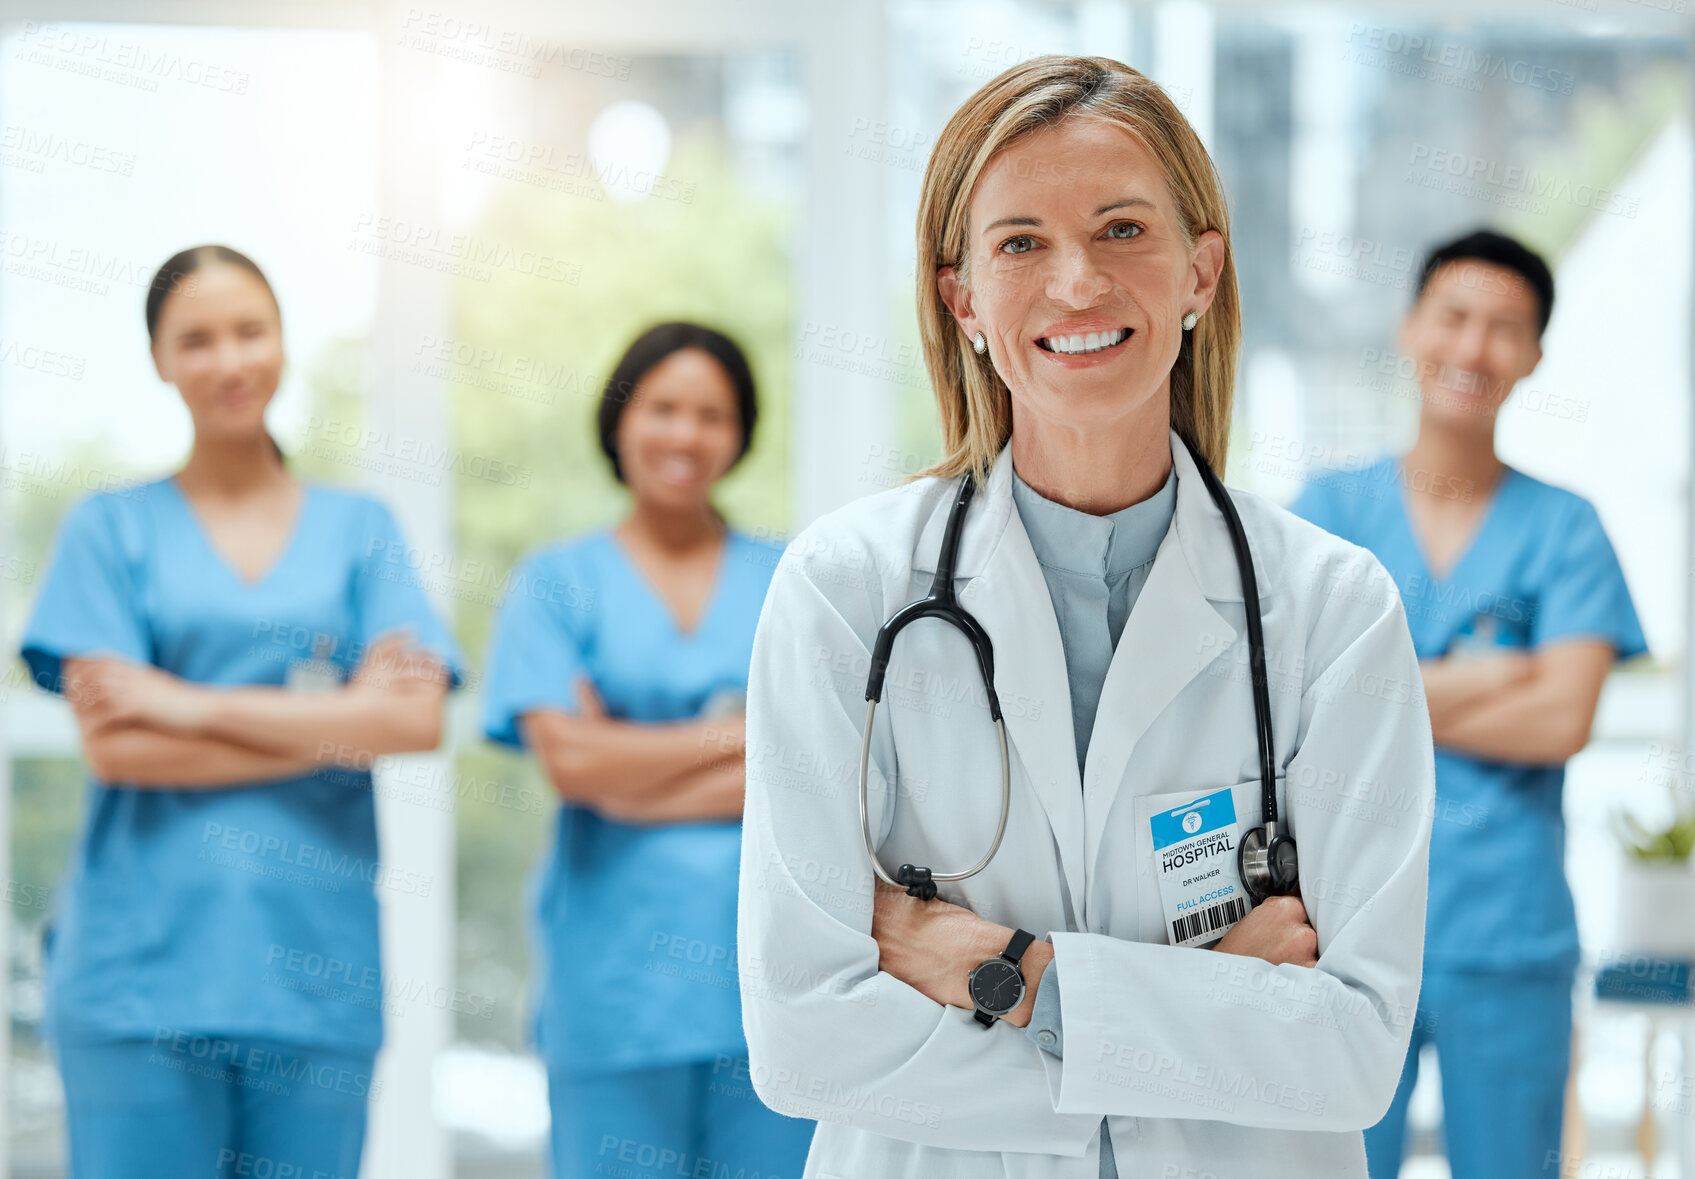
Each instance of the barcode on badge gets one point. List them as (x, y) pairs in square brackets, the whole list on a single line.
[(1206, 920)]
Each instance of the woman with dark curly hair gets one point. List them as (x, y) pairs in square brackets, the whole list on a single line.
[(620, 661)]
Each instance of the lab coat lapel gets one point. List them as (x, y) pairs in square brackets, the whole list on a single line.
[(1173, 633), (1030, 677), (1009, 597)]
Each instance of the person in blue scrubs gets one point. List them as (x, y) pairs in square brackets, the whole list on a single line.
[(237, 647), (620, 660), (1517, 608)]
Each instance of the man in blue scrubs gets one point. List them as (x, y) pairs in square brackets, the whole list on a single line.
[(1517, 608)]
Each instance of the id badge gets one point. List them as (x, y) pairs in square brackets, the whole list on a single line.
[(312, 675), (317, 674), (724, 702), (1195, 854)]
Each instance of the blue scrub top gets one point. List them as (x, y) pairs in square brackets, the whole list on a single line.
[(634, 925), (1539, 570), (242, 911)]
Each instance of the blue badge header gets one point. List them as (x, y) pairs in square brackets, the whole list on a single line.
[(1194, 818)]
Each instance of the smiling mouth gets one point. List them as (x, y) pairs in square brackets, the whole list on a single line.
[(1459, 380), (1083, 345)]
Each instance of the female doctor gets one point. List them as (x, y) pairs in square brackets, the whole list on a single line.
[(1080, 324)]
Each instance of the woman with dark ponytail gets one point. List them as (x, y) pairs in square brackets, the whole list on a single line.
[(181, 267), (237, 646)]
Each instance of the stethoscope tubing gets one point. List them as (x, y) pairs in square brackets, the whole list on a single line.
[(941, 603), (865, 805)]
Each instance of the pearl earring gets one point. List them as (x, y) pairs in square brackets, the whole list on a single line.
[(1189, 321), (980, 342)]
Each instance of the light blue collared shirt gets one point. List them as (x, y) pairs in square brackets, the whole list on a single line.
[(1095, 567)]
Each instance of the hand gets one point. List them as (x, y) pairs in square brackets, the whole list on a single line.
[(724, 738), (932, 946), (929, 945), (113, 692), (589, 705), (1276, 930), (394, 662), (1485, 671), (1509, 665)]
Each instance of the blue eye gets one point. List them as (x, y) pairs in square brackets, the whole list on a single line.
[(1113, 230), (1024, 248)]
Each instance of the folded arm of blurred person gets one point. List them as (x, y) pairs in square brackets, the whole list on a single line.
[(641, 773), (1534, 707), (143, 726)]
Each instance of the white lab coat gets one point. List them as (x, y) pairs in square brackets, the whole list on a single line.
[(1205, 1064)]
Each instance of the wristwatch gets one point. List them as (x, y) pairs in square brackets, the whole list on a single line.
[(996, 984)]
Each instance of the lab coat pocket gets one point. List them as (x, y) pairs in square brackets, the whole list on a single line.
[(1190, 837)]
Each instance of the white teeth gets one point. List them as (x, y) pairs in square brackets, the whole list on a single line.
[(1093, 342), (1460, 380)]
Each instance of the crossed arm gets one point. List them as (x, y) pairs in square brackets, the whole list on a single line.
[(640, 773), (932, 945), (144, 727), (1532, 707)]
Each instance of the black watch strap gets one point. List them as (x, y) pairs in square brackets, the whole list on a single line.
[(1015, 948), (1014, 953)]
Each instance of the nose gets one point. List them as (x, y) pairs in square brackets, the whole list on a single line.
[(1473, 342), (685, 430), (227, 356), (1078, 280)]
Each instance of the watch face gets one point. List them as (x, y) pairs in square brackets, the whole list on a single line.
[(996, 986)]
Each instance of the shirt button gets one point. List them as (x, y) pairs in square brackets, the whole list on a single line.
[(1046, 1039)]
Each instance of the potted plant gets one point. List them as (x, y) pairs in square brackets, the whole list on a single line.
[(1656, 898)]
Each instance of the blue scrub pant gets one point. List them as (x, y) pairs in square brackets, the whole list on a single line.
[(1503, 1044), (193, 1107), (701, 1119)]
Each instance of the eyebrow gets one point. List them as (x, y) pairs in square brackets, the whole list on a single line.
[(1127, 203)]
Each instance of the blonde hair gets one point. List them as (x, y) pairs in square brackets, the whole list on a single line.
[(975, 404)]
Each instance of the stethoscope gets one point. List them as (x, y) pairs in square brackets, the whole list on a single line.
[(1265, 858)]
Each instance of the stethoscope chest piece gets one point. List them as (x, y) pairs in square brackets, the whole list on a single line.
[(1267, 863)]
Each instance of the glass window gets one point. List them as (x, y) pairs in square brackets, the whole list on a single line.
[(664, 189), (123, 144)]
